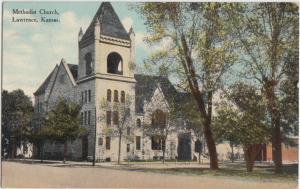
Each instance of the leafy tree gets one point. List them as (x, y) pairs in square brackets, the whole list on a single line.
[(122, 119), (269, 34), (200, 51), (62, 123), (289, 99), (242, 120), (17, 111)]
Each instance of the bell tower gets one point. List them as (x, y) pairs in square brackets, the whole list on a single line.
[(106, 62), (106, 47)]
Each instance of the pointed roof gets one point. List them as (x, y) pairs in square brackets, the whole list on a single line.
[(147, 84), (44, 85), (110, 24), (71, 70)]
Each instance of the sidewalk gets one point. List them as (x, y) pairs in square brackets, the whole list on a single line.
[(136, 164)]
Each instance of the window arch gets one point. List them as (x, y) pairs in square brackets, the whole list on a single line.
[(88, 63), (116, 96), (108, 95), (114, 63), (138, 123), (159, 118), (122, 97)]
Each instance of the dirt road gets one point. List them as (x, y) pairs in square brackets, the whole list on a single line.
[(37, 175)]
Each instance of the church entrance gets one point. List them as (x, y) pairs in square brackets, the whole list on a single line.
[(85, 146), (184, 147)]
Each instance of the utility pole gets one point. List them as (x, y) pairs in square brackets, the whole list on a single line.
[(95, 139)]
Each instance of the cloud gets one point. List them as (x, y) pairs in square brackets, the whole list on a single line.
[(127, 23)]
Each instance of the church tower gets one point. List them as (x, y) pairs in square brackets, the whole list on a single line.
[(105, 73)]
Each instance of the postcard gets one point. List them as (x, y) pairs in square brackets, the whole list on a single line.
[(150, 94)]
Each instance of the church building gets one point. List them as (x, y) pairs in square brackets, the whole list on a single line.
[(105, 73)]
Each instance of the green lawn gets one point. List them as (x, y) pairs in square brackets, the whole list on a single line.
[(237, 170)]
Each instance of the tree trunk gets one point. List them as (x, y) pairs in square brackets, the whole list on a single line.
[(232, 153), (164, 152), (42, 151), (213, 157), (65, 151), (275, 123), (119, 150), (206, 116), (276, 147), (199, 158), (250, 153)]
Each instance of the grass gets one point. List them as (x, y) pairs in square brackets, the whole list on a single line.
[(236, 171)]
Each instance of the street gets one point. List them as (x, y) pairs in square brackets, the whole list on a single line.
[(17, 174)]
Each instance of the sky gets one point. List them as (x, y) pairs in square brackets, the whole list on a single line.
[(31, 50)]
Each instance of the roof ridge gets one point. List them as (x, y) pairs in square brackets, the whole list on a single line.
[(45, 83)]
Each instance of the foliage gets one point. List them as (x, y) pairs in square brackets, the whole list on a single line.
[(269, 36), (17, 111), (198, 49), (62, 123), (242, 120), (289, 101)]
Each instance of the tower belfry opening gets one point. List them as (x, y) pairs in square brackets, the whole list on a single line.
[(114, 63)]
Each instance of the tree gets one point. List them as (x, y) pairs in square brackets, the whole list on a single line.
[(122, 120), (17, 111), (62, 123), (199, 51), (242, 120), (269, 34), (289, 98)]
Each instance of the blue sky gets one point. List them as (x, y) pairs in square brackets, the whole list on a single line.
[(31, 50)]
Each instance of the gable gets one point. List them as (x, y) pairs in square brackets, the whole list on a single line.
[(64, 85), (47, 84), (157, 101), (146, 85)]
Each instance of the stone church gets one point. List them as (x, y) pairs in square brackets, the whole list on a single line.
[(105, 72)]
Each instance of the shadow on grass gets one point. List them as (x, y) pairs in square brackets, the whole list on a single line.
[(29, 161), (290, 172)]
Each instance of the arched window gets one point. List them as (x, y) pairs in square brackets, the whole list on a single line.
[(108, 95), (114, 63), (116, 96), (138, 123), (158, 118), (88, 63), (122, 97)]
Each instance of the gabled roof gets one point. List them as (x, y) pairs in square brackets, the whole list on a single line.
[(110, 24), (44, 85), (71, 70), (146, 85)]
